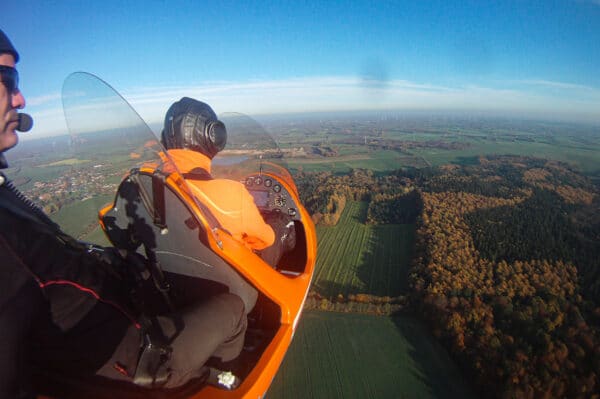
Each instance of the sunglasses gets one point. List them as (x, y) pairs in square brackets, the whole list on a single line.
[(10, 78)]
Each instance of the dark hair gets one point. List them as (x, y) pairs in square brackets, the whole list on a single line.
[(193, 124)]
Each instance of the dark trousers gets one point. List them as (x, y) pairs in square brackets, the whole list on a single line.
[(215, 327)]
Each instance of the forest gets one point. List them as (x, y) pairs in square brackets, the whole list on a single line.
[(505, 271), (392, 197)]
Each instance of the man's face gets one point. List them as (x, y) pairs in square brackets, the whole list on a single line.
[(9, 103)]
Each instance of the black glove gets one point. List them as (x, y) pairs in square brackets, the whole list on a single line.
[(285, 231), (129, 265)]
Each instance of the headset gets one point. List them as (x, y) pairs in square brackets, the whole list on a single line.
[(193, 124)]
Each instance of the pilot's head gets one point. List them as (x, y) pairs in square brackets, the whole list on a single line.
[(11, 98), (193, 125)]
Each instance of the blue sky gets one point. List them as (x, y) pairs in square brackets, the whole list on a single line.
[(531, 58)]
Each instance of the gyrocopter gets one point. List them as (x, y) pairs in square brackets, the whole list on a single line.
[(188, 252)]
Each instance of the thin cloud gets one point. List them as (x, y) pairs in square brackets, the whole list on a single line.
[(41, 100), (554, 84), (535, 97)]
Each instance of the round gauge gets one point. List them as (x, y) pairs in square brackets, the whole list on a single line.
[(250, 181), (277, 188), (280, 201), (268, 182), (257, 181)]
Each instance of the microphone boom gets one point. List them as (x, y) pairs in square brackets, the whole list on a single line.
[(25, 123)]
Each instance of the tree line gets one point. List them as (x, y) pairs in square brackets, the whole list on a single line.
[(392, 197)]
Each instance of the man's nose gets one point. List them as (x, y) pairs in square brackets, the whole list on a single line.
[(18, 100)]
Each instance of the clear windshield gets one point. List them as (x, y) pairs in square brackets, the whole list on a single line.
[(108, 139), (250, 150), (103, 127)]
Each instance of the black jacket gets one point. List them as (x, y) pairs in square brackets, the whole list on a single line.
[(54, 297)]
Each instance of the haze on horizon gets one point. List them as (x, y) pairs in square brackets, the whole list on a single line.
[(532, 60)]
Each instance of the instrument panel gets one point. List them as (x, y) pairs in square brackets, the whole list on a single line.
[(270, 196)]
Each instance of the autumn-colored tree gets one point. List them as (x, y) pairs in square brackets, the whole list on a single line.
[(517, 323)]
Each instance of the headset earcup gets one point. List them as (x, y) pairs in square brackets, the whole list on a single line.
[(215, 136)]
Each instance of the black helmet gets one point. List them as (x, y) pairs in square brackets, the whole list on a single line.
[(194, 125), (7, 47)]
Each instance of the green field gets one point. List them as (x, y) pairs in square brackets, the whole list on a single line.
[(66, 162), (356, 258), (97, 236), (357, 157), (582, 156), (574, 144), (75, 218), (34, 174), (585, 159), (336, 355)]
